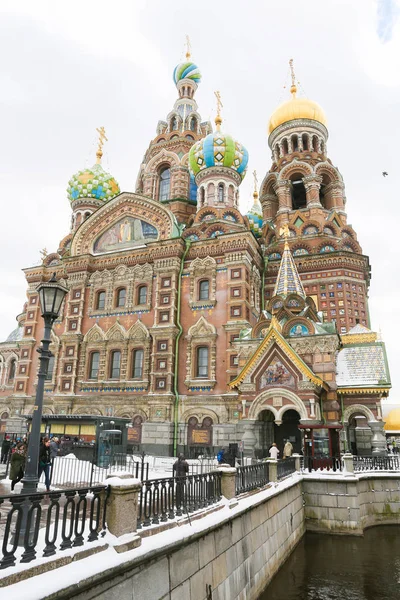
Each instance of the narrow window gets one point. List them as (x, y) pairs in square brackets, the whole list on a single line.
[(305, 141), (137, 371), (101, 300), (121, 297), (115, 369), (202, 361), (165, 184), (50, 369), (204, 289), (142, 294), (11, 373), (202, 197), (193, 124), (285, 147), (174, 124), (221, 192), (94, 365)]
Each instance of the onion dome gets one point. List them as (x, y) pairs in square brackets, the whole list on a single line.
[(392, 420), (92, 183), (255, 216), (187, 70), (296, 108), (218, 149)]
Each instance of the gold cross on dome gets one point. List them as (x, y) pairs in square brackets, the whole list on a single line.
[(293, 89), (43, 253), (188, 48), (255, 180), (102, 137), (218, 119)]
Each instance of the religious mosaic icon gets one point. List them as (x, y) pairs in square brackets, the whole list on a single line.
[(127, 233), (277, 374), (298, 329)]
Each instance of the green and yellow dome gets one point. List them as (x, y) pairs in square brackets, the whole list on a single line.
[(218, 149), (92, 183)]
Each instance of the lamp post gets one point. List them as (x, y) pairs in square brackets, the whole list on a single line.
[(51, 295)]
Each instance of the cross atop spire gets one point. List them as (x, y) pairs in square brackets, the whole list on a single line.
[(288, 280), (293, 89), (218, 119), (255, 182), (188, 48), (102, 137)]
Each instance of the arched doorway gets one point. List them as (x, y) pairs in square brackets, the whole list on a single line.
[(269, 431), (266, 432)]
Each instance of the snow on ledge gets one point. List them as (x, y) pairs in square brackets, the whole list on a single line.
[(116, 481)]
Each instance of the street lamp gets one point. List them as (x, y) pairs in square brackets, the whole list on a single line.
[(51, 294)]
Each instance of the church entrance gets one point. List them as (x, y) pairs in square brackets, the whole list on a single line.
[(270, 432)]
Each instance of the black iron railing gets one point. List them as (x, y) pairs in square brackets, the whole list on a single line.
[(376, 463), (285, 467), (164, 499), (328, 463), (68, 518), (251, 477)]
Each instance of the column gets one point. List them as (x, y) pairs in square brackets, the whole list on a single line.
[(249, 439), (312, 183), (378, 438), (282, 189)]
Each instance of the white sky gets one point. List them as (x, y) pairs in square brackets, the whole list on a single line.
[(69, 67)]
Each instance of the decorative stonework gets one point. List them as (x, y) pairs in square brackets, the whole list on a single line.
[(201, 334)]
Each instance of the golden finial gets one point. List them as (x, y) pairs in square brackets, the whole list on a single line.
[(43, 253), (102, 137), (218, 119), (285, 233), (293, 88), (255, 193), (188, 48)]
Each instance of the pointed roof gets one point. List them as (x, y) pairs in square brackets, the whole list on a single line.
[(288, 280)]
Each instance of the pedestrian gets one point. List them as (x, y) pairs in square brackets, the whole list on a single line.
[(181, 467), (288, 449), (17, 464), (54, 448), (45, 461), (5, 449), (273, 451)]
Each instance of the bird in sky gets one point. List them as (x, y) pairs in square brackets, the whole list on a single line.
[(385, 173)]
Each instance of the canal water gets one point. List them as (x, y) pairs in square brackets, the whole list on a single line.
[(328, 567)]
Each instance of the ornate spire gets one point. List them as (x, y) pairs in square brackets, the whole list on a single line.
[(288, 280), (218, 118), (102, 137), (293, 88)]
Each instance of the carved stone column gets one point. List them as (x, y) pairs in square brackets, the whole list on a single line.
[(282, 189), (312, 183), (378, 438), (249, 439)]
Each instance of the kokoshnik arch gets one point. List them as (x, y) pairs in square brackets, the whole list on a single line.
[(203, 325)]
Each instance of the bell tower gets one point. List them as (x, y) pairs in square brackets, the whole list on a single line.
[(304, 192)]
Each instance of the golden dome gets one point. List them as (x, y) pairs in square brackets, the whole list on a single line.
[(296, 108), (393, 420)]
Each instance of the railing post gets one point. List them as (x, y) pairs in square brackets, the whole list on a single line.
[(228, 481), (122, 505), (273, 470), (348, 464), (297, 458)]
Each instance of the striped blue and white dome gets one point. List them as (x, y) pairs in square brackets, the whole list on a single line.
[(187, 70)]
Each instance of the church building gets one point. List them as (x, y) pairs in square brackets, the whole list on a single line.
[(202, 325)]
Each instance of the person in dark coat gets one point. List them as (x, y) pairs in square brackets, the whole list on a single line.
[(45, 461), (5, 449), (17, 464), (180, 468)]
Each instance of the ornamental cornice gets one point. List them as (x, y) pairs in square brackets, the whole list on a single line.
[(296, 124), (343, 391), (213, 172), (317, 343)]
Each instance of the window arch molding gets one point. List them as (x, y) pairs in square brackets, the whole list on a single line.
[(164, 182), (202, 269), (201, 335)]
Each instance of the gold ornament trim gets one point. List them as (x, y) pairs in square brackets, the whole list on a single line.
[(380, 390), (359, 338)]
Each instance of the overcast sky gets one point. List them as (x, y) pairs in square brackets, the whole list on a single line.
[(69, 67)]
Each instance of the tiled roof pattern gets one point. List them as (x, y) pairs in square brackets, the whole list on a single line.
[(288, 281)]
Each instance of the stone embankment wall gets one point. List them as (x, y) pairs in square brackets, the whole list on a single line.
[(347, 505), (234, 559)]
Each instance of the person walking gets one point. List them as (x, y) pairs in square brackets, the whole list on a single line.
[(288, 449), (180, 469), (45, 461), (17, 464), (54, 448), (5, 449), (273, 451)]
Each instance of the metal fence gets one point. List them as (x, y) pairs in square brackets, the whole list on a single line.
[(376, 463), (285, 467), (164, 499), (251, 477), (71, 472), (328, 463), (36, 523)]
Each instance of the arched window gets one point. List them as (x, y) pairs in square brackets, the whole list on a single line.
[(165, 184), (221, 192), (204, 289), (305, 141), (193, 124), (174, 124), (285, 147), (101, 300), (299, 198), (202, 196), (87, 215), (94, 365), (142, 294), (137, 364), (121, 297), (11, 372), (115, 364), (50, 369), (202, 361), (295, 143)]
